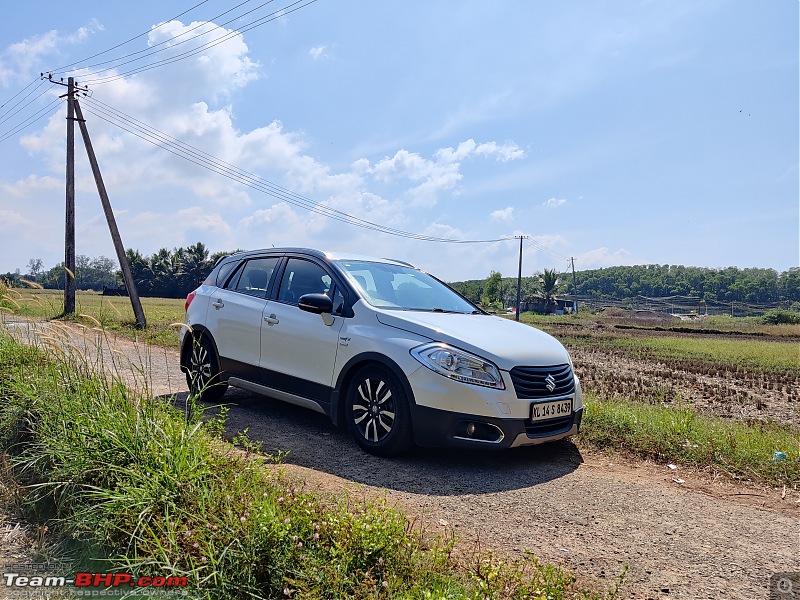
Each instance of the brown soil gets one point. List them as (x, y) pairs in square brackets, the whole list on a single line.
[(715, 389)]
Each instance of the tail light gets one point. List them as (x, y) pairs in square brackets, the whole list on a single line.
[(189, 299)]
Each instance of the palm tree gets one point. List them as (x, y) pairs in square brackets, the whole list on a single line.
[(548, 282)]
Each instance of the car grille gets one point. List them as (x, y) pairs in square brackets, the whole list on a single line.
[(549, 427), (531, 382)]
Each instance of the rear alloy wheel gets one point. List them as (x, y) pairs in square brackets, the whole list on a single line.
[(377, 412), (202, 375)]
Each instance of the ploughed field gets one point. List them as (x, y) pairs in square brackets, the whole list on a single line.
[(734, 375)]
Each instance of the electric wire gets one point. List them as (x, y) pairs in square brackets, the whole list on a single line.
[(31, 120), (151, 50), (532, 243), (216, 165), (136, 37), (189, 53), (19, 92), (16, 112)]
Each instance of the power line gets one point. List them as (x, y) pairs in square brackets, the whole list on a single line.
[(20, 105), (532, 243), (215, 42), (151, 50), (194, 155), (30, 121), (136, 37), (19, 92), (11, 112)]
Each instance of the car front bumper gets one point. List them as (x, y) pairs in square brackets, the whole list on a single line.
[(435, 427)]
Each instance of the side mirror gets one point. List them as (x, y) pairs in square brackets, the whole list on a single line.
[(315, 303)]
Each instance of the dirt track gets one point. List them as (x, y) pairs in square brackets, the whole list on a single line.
[(702, 538)]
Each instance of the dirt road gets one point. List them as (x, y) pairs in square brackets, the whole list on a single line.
[(702, 538)]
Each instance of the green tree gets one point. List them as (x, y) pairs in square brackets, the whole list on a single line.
[(35, 268), (493, 288)]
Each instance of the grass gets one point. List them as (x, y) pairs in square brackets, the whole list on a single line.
[(753, 354), (590, 321), (113, 312), (127, 482), (679, 434)]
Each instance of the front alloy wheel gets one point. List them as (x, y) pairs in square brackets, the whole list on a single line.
[(378, 412)]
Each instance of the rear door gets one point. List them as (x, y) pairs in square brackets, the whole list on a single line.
[(235, 316), (298, 349)]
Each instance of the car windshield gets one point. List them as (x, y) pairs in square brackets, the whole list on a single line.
[(403, 288)]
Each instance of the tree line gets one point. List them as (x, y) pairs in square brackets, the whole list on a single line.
[(751, 285), (174, 273), (165, 274)]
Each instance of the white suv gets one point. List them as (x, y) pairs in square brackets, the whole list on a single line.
[(379, 345)]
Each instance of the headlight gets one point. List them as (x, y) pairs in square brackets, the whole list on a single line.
[(458, 365)]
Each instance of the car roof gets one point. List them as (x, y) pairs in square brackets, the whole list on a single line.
[(325, 255)]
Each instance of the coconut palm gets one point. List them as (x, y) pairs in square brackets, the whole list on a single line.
[(548, 282)]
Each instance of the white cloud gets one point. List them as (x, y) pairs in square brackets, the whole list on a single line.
[(317, 52), (504, 216), (554, 202), (217, 70), (21, 60), (506, 152), (198, 218), (10, 220), (603, 257), (440, 174), (30, 184), (464, 149)]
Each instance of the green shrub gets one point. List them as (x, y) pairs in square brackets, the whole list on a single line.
[(780, 316)]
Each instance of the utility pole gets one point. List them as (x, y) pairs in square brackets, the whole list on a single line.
[(69, 228), (574, 285), (127, 276), (519, 274)]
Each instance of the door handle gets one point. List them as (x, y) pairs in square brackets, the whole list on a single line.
[(272, 320), (218, 304)]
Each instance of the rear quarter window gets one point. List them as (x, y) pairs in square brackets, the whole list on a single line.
[(224, 271)]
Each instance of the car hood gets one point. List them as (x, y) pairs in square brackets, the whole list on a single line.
[(506, 343)]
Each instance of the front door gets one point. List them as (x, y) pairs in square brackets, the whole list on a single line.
[(298, 349)]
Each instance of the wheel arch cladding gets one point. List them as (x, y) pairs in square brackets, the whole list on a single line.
[(190, 339)]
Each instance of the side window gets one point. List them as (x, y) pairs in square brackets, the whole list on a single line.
[(253, 278), (302, 277)]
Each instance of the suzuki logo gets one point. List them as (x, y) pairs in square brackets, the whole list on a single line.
[(549, 382)]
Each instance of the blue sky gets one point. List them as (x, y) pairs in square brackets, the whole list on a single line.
[(611, 132)]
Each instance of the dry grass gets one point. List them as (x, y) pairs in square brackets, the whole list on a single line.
[(113, 313)]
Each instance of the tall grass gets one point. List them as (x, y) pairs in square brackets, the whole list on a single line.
[(113, 312), (139, 486), (762, 355), (679, 434)]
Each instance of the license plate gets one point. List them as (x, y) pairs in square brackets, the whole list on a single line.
[(542, 411)]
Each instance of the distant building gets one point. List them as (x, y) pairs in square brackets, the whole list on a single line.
[(538, 304)]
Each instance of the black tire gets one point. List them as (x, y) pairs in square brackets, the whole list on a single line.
[(202, 372), (377, 412)]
